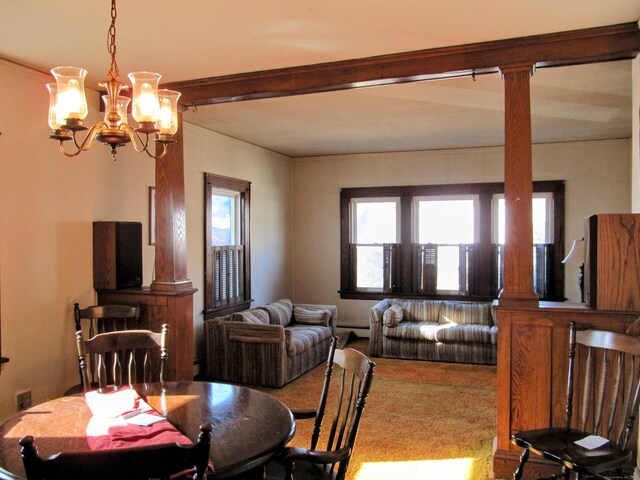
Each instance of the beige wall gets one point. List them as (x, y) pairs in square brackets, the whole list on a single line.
[(596, 174), (47, 206), (270, 177)]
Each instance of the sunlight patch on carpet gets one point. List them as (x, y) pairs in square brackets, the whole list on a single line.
[(452, 469)]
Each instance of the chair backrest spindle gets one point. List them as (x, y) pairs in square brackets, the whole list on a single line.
[(98, 319), (609, 378), (130, 344), (352, 388)]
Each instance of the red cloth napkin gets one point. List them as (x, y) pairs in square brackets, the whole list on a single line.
[(107, 428)]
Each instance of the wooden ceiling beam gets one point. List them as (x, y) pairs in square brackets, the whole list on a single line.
[(591, 45)]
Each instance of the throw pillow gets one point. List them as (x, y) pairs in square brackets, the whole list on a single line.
[(279, 312), (466, 313), (311, 317), (251, 316), (392, 316)]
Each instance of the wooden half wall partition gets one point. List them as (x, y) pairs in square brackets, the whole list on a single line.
[(532, 373), (169, 298)]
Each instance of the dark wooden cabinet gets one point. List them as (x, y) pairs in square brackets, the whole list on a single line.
[(612, 262), (117, 254)]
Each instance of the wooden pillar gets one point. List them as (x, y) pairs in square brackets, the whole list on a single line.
[(171, 224), (518, 190), (169, 299)]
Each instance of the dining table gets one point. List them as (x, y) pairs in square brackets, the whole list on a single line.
[(249, 427)]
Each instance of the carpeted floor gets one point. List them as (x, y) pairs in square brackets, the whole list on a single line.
[(423, 420)]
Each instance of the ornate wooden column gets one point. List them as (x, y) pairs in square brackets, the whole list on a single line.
[(171, 225), (169, 299), (518, 190)]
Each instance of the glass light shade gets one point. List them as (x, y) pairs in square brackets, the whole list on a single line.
[(55, 121), (71, 100), (146, 107), (168, 123), (121, 107)]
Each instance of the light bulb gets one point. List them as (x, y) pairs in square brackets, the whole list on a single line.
[(147, 101)]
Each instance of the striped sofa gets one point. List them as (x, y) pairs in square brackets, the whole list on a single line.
[(441, 330), (270, 345)]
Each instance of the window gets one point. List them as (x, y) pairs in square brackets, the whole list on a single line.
[(443, 241), (434, 226), (374, 227), (227, 252), (541, 211)]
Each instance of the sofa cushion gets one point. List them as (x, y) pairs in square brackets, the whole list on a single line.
[(466, 313), (302, 338), (453, 333), (255, 315), (279, 312), (308, 316), (392, 316), (413, 331), (418, 310)]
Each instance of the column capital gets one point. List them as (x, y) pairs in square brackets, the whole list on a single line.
[(530, 68)]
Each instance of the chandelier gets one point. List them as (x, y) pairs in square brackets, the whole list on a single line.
[(154, 110)]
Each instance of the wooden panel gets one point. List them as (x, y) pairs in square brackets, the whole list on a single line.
[(530, 345), (104, 255), (618, 262), (173, 309)]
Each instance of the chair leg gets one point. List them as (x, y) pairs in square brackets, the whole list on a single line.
[(289, 470), (517, 475)]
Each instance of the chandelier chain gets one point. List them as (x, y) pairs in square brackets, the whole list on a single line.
[(114, 72)]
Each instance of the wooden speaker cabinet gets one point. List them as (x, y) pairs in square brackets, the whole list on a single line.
[(117, 255), (612, 262)]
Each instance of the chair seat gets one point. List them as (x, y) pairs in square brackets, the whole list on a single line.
[(303, 471), (559, 445)]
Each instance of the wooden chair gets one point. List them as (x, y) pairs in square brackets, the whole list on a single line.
[(123, 357), (603, 374), (348, 398), (162, 461), (107, 318), (101, 319)]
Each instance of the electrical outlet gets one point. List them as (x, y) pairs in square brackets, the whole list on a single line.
[(23, 400)]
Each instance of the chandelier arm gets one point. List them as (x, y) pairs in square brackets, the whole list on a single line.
[(139, 145), (86, 143), (162, 154)]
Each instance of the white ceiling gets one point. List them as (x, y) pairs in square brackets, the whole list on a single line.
[(196, 38)]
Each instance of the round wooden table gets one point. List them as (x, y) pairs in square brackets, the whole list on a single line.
[(248, 426)]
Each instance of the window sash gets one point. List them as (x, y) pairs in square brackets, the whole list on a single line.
[(227, 267), (355, 202), (235, 220)]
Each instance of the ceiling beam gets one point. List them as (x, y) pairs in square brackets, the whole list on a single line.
[(591, 45)]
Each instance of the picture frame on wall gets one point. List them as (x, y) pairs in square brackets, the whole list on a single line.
[(152, 216)]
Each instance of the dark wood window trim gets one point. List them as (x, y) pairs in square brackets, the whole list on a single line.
[(243, 187), (483, 271)]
